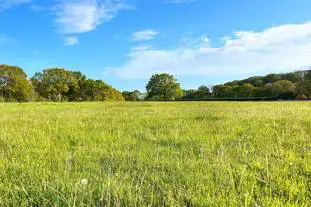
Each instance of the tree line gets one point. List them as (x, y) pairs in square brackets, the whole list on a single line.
[(59, 84), (287, 86), (54, 84)]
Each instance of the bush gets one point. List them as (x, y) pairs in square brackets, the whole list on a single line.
[(301, 97)]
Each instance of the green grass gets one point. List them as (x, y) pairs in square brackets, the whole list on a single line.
[(156, 154)]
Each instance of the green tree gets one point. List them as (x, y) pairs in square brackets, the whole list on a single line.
[(163, 87), (264, 92), (54, 84), (202, 92), (222, 91), (189, 94), (77, 91), (248, 90), (132, 95), (304, 87), (293, 77), (283, 89), (271, 78), (14, 85), (256, 81), (112, 94), (97, 90)]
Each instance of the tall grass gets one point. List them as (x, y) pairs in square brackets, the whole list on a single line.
[(155, 154)]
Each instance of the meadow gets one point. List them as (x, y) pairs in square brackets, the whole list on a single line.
[(155, 154)]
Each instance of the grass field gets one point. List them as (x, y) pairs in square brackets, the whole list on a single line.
[(156, 154)]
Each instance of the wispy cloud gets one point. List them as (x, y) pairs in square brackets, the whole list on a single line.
[(72, 40), (277, 49), (141, 48), (144, 35), (6, 4), (195, 42), (73, 17), (80, 16)]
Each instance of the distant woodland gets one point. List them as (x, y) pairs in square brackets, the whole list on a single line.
[(59, 85)]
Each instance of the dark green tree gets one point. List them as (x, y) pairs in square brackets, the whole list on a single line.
[(163, 87), (189, 94), (264, 92), (283, 89), (203, 92), (53, 84), (256, 81), (223, 91), (292, 77), (77, 91), (271, 78), (132, 95)]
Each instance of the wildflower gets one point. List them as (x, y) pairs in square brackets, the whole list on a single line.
[(84, 181)]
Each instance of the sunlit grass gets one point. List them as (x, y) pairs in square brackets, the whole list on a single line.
[(159, 154)]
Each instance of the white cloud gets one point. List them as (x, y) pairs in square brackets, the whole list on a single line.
[(195, 42), (276, 49), (5, 4), (141, 48), (144, 35), (80, 16), (73, 17), (71, 40)]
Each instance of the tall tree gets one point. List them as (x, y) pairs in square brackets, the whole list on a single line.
[(77, 92), (163, 87), (54, 84), (14, 85), (202, 92)]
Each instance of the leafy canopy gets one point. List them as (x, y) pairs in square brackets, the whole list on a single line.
[(163, 87), (14, 85)]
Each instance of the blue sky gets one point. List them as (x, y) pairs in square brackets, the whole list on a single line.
[(124, 42)]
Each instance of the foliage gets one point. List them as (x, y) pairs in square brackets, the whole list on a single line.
[(202, 92), (304, 87), (99, 91), (112, 94), (282, 86), (58, 84), (14, 85), (163, 87), (132, 95), (77, 92), (54, 84), (222, 91)]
